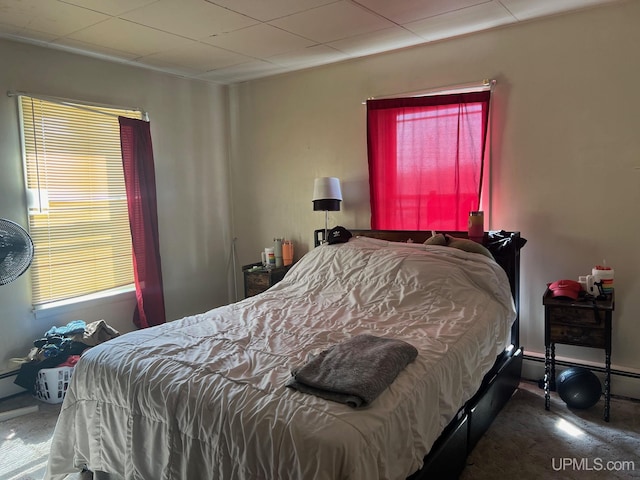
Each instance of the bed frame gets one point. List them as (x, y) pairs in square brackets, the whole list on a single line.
[(447, 457)]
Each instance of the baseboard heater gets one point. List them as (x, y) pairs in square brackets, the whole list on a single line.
[(596, 368), (12, 373)]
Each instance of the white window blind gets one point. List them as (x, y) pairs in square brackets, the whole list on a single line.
[(82, 239)]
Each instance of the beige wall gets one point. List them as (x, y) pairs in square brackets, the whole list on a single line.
[(189, 130), (566, 151)]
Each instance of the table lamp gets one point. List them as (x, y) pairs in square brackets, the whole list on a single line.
[(326, 197)]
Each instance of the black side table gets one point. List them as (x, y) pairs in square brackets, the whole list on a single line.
[(585, 323), (260, 279)]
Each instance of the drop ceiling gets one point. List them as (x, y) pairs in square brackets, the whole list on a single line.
[(229, 41)]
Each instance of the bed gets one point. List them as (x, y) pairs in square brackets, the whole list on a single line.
[(206, 396)]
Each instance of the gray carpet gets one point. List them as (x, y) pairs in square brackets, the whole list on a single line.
[(524, 442), (527, 442)]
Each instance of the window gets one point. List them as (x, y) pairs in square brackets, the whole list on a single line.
[(78, 206), (426, 160)]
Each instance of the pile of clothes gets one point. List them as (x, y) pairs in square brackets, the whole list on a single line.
[(61, 347)]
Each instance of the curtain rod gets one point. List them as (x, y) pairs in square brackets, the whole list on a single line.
[(485, 84), (83, 105)]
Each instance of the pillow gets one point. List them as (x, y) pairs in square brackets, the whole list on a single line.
[(468, 246), (437, 239), (374, 241), (459, 243), (389, 244)]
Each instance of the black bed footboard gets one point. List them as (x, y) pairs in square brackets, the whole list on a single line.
[(448, 456), (488, 402)]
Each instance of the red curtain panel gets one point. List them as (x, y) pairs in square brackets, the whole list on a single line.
[(139, 175), (426, 160)]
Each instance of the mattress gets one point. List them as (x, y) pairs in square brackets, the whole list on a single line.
[(205, 396)]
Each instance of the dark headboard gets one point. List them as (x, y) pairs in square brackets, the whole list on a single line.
[(504, 246)]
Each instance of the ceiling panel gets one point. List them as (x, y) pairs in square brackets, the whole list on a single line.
[(486, 15), (194, 19), (376, 42), (129, 37), (269, 10), (98, 50), (195, 55), (260, 41), (333, 22), (108, 7), (13, 31), (47, 16), (526, 9), (316, 55), (406, 11), (243, 71)]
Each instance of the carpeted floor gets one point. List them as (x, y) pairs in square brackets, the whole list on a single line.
[(524, 442), (527, 442)]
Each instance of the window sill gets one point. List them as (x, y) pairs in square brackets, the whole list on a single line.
[(116, 295)]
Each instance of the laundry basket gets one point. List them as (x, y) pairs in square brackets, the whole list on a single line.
[(52, 384)]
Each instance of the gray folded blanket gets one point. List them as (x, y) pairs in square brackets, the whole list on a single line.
[(355, 371)]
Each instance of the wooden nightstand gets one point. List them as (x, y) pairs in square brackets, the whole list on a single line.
[(259, 280), (585, 323)]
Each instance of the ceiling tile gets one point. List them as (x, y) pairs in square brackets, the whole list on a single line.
[(95, 49), (129, 37), (526, 9), (109, 7), (24, 34), (269, 10), (259, 41), (315, 55), (162, 66), (243, 72), (332, 22), (195, 19), (406, 11), (196, 55), (460, 22), (376, 42), (47, 16)]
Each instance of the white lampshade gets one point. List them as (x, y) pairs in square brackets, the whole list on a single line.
[(326, 188), (326, 197)]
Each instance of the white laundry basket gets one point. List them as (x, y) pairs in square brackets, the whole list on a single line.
[(52, 384)]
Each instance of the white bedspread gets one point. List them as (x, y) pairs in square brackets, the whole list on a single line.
[(205, 396)]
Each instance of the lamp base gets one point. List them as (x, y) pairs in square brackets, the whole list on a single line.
[(326, 226)]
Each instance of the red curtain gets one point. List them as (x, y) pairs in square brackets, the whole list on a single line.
[(425, 160), (140, 181)]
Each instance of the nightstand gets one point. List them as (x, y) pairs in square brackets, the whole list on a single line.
[(584, 323), (258, 280)]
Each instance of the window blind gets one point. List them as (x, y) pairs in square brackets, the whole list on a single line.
[(82, 240)]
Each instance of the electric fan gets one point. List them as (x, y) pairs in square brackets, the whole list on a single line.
[(16, 251), (16, 254)]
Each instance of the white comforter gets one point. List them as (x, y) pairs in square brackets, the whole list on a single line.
[(205, 396)]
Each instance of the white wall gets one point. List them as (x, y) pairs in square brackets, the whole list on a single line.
[(566, 151), (189, 132)]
